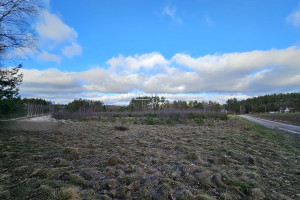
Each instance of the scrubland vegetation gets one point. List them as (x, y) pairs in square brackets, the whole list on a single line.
[(148, 156), (151, 149)]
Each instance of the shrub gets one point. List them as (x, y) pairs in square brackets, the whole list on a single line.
[(199, 121), (150, 121), (169, 121)]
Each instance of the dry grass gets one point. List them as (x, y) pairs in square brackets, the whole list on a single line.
[(69, 193), (214, 159)]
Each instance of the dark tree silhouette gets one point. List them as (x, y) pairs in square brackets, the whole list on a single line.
[(16, 35), (266, 103), (9, 79)]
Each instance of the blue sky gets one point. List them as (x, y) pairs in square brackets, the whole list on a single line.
[(197, 49)]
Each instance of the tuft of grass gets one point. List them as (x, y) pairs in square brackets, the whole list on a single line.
[(243, 186), (91, 146), (59, 162), (76, 179), (71, 150), (192, 156), (72, 153), (41, 173), (257, 193), (69, 193), (114, 160), (210, 124)]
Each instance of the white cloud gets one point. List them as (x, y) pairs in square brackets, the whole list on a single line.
[(244, 73), (101, 80), (171, 12), (237, 72), (72, 50), (49, 57), (51, 76), (244, 62), (51, 27), (294, 18), (135, 63)]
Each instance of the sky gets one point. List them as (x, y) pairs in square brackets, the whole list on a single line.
[(116, 50)]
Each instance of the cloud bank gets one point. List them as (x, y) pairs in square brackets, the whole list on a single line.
[(238, 73)]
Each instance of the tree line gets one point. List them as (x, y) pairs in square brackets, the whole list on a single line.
[(266, 103), (18, 107), (148, 103), (85, 105)]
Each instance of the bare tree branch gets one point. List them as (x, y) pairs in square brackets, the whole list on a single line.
[(15, 26), (16, 34)]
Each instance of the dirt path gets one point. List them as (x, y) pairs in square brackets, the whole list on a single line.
[(274, 125), (38, 117)]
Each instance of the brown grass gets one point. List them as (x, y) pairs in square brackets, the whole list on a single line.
[(69, 193), (233, 159)]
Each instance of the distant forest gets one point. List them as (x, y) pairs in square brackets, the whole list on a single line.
[(17, 107), (268, 103), (289, 102)]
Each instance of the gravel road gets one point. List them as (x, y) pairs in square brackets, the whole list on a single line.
[(274, 125)]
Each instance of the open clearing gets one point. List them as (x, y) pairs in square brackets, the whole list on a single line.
[(101, 159)]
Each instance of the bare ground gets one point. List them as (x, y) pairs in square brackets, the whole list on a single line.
[(96, 159)]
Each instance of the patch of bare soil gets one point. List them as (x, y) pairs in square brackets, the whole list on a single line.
[(96, 159), (289, 118)]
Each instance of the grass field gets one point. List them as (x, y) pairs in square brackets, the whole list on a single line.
[(289, 118), (125, 159)]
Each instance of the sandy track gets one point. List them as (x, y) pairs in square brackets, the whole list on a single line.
[(42, 117), (274, 125)]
